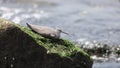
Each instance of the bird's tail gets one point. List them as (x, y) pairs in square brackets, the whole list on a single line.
[(28, 25)]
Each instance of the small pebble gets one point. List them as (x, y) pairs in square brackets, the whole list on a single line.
[(11, 65), (13, 58), (5, 57)]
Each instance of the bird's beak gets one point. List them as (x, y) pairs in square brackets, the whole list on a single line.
[(65, 33)]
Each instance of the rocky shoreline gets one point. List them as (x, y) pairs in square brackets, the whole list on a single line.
[(22, 48), (101, 52)]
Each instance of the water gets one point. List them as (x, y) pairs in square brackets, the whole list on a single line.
[(89, 20), (106, 65)]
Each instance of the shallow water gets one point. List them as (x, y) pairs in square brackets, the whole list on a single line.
[(106, 65), (88, 20)]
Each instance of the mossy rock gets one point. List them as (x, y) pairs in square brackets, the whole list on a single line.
[(22, 48)]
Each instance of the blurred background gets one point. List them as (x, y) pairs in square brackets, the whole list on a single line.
[(88, 21)]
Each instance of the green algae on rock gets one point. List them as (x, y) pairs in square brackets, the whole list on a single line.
[(22, 48)]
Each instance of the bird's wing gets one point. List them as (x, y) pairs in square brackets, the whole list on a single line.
[(41, 29)]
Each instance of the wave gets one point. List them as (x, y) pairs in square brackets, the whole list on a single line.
[(39, 2), (19, 15)]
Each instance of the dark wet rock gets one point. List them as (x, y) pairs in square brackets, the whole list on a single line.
[(99, 50), (117, 51), (103, 51), (19, 49)]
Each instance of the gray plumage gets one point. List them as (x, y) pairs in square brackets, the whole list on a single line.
[(46, 31)]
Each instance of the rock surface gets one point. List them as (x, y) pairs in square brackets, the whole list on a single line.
[(20, 50)]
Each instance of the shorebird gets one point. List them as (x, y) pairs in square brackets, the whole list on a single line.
[(46, 31)]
